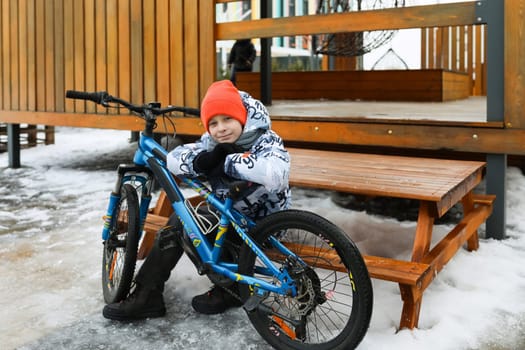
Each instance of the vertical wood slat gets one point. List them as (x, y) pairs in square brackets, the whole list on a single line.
[(470, 58), (477, 61), (13, 48), (40, 56), (49, 15), (31, 58), (1, 55), (149, 50), (22, 52), (177, 77), (124, 50), (100, 49), (79, 59), (90, 60), (462, 48), (6, 84), (137, 69), (112, 50), (423, 48), (191, 52), (162, 51), (432, 48), (454, 49), (69, 53), (206, 45), (445, 47), (59, 55)]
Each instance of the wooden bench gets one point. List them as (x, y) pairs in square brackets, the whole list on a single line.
[(437, 184), (435, 85)]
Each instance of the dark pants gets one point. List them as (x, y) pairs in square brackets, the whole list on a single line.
[(167, 251), (164, 255)]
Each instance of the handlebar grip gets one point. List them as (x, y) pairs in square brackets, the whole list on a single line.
[(97, 97)]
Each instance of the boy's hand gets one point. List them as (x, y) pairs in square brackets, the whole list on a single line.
[(206, 162)]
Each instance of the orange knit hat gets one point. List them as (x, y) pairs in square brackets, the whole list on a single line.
[(222, 98)]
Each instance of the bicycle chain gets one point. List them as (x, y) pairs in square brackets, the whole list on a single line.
[(232, 293)]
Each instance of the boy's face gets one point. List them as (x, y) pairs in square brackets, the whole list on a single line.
[(225, 129)]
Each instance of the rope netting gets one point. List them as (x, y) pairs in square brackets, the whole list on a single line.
[(353, 43)]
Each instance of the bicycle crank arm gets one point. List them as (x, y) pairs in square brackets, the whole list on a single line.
[(255, 302)]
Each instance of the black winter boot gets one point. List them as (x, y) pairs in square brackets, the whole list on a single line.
[(142, 303), (215, 301)]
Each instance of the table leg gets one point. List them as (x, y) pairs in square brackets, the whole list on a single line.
[(468, 206), (423, 235), (412, 295), (412, 298)]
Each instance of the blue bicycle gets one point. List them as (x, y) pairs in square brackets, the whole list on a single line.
[(302, 281)]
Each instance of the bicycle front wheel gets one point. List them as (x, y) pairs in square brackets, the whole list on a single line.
[(120, 249), (333, 306)]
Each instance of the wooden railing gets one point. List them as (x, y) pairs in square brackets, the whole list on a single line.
[(459, 49)]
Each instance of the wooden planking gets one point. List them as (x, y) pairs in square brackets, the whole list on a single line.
[(133, 49), (423, 179), (383, 85)]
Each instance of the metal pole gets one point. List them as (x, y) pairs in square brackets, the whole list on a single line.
[(266, 58), (492, 12), (13, 145)]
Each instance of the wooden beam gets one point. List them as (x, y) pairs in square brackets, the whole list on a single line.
[(463, 137), (396, 18), (514, 100)]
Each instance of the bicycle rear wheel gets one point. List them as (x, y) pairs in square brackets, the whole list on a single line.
[(120, 249), (334, 303)]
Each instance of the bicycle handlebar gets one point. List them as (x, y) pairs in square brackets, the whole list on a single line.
[(103, 98)]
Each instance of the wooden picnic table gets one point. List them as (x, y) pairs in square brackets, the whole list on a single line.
[(438, 185)]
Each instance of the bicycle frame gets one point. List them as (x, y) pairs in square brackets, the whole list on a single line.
[(150, 158)]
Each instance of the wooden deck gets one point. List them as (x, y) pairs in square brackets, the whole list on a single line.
[(469, 110)]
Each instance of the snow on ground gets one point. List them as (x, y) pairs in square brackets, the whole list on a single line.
[(50, 253)]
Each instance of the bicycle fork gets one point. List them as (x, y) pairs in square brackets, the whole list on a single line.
[(133, 174)]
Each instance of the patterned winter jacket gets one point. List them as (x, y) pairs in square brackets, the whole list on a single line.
[(265, 162)]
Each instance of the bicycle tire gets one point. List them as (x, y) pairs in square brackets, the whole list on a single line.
[(120, 249), (332, 310)]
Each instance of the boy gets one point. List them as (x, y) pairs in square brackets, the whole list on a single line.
[(238, 144)]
